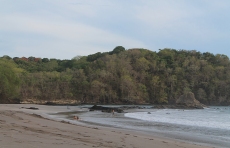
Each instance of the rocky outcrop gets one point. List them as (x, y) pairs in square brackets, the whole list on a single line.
[(188, 100), (185, 101), (52, 102), (106, 109), (176, 106), (33, 108)]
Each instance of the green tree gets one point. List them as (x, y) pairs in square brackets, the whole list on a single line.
[(117, 50), (80, 85), (9, 81)]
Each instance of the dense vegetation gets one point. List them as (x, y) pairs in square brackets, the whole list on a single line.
[(119, 76)]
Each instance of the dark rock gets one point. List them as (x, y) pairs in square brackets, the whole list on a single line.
[(106, 109), (133, 107), (33, 108), (50, 103), (177, 106)]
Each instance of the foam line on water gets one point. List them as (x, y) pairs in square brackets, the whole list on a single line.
[(200, 118)]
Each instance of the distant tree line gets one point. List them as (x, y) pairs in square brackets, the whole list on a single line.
[(120, 76)]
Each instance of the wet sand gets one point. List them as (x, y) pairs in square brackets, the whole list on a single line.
[(25, 128)]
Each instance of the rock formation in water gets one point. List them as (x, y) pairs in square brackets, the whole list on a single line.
[(189, 101), (185, 101), (106, 109)]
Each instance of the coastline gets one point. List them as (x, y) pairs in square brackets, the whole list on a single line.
[(21, 127)]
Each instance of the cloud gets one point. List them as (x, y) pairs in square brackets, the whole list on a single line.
[(167, 16), (64, 35), (182, 22), (63, 29)]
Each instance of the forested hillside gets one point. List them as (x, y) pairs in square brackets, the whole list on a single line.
[(121, 76)]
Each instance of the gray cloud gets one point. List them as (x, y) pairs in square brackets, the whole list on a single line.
[(63, 29)]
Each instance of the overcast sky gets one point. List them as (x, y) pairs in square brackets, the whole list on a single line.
[(63, 29)]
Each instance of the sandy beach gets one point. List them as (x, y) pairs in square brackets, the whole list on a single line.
[(26, 128)]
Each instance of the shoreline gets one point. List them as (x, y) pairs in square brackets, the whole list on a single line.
[(24, 127), (157, 129)]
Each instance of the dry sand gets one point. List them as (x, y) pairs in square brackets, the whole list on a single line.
[(24, 128)]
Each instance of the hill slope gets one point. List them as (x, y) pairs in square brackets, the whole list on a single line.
[(126, 76)]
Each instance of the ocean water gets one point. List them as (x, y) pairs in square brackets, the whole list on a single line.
[(214, 117), (209, 126)]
